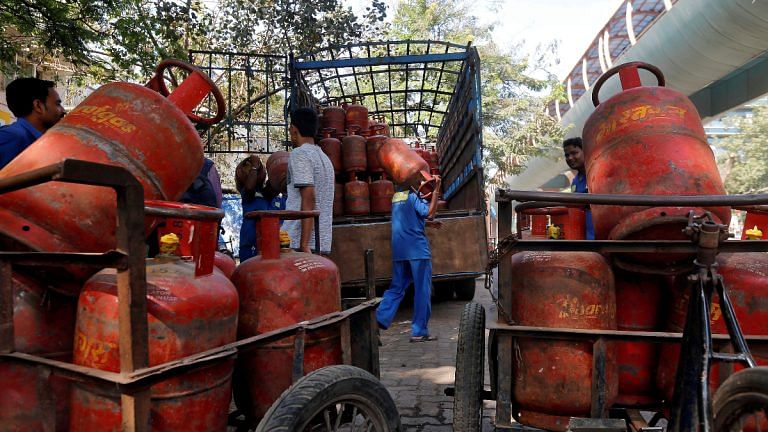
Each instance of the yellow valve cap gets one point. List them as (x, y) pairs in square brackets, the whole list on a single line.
[(169, 243), (754, 233), (285, 239)]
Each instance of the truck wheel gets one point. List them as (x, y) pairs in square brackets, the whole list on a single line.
[(333, 398), (465, 289), (741, 403), (470, 361)]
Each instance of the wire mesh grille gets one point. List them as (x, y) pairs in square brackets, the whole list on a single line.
[(408, 83)]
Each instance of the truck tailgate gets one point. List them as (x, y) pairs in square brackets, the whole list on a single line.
[(458, 248)]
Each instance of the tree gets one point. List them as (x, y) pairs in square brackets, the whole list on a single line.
[(37, 29), (125, 39), (742, 157), (516, 126)]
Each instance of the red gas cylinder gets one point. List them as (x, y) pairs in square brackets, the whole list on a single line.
[(405, 167), (647, 141), (746, 277), (757, 216), (277, 170), (353, 152), (225, 263), (638, 297), (187, 314), (434, 161), (553, 379), (334, 118), (195, 226), (570, 222), (381, 192), (118, 124), (379, 123), (357, 115), (422, 152), (356, 197), (279, 288), (372, 146), (332, 148), (338, 199), (43, 325)]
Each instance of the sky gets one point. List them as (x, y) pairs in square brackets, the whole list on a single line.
[(573, 23)]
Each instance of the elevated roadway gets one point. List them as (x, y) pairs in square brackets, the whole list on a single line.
[(714, 51)]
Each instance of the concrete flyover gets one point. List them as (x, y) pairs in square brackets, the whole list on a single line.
[(714, 51)]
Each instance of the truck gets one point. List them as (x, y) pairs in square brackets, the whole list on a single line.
[(427, 92)]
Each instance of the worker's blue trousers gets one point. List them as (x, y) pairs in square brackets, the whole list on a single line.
[(403, 273)]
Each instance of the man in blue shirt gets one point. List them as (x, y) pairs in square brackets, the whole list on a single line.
[(574, 157), (36, 106), (411, 261), (255, 195)]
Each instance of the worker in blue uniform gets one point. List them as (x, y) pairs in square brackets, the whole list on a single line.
[(574, 157), (249, 181), (36, 106), (411, 261)]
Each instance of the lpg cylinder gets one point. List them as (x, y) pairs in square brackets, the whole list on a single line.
[(746, 278), (334, 118), (553, 378), (279, 288), (638, 297), (372, 146), (43, 325), (357, 199), (186, 314), (357, 115), (422, 152), (381, 192), (338, 199), (277, 170), (353, 153), (405, 167), (225, 263), (122, 124), (648, 141), (434, 161), (332, 148), (379, 123)]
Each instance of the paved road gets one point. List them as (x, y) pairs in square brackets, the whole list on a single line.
[(417, 373)]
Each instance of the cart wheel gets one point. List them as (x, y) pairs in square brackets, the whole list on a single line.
[(333, 398), (741, 403), (465, 289), (470, 361)]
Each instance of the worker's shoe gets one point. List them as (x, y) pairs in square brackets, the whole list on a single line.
[(423, 338)]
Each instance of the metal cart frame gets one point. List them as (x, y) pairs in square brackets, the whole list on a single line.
[(135, 376), (691, 407)]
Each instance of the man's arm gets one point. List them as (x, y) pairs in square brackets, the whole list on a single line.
[(307, 225), (435, 198)]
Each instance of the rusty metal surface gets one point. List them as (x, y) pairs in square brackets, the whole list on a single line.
[(560, 198), (560, 289), (119, 124), (460, 246), (353, 153), (276, 289), (134, 378), (357, 199)]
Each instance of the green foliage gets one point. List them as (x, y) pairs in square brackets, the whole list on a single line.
[(125, 39), (40, 29), (516, 126), (742, 157)]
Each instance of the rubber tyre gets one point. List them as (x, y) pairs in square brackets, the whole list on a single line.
[(442, 291), (465, 289), (742, 393), (470, 362), (324, 387)]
